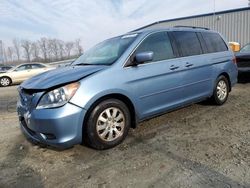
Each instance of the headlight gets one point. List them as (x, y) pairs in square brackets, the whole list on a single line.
[(58, 97)]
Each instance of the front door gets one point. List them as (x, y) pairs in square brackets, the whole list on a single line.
[(157, 84)]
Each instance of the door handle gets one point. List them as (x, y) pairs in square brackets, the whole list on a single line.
[(189, 64), (173, 67)]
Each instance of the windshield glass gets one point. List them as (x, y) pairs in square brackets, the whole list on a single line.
[(246, 48), (107, 52)]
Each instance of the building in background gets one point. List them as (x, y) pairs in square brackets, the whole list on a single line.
[(234, 24)]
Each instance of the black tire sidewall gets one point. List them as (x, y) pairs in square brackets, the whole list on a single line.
[(91, 137), (215, 96)]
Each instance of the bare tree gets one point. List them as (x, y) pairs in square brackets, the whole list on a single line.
[(1, 52), (5, 55), (68, 47), (35, 50), (54, 48), (78, 47), (26, 44), (16, 44), (43, 44), (61, 48), (44, 49), (10, 53)]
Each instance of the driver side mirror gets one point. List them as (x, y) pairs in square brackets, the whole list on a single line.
[(143, 57)]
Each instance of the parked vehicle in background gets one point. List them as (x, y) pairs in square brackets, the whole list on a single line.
[(122, 81), (5, 68), (22, 72), (243, 59)]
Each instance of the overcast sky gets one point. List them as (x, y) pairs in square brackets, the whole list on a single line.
[(94, 20)]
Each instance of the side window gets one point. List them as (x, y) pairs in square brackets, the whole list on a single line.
[(214, 42), (245, 48), (21, 68), (188, 43), (159, 44), (37, 66)]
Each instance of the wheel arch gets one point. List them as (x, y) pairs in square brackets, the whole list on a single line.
[(228, 78), (118, 96)]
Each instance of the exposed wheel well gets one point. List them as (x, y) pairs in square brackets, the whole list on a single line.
[(120, 97), (228, 78)]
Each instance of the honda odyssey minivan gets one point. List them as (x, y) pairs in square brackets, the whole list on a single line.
[(123, 81)]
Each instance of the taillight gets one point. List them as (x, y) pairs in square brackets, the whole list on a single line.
[(234, 60)]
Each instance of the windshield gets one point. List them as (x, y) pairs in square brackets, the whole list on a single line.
[(246, 48), (107, 52)]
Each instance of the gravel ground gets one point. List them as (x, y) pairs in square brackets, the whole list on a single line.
[(198, 146)]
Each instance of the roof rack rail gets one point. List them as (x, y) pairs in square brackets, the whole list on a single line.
[(193, 27)]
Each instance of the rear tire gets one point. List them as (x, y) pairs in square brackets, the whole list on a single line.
[(5, 81), (221, 90), (107, 125)]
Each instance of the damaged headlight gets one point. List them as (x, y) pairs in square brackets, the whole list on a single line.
[(58, 97)]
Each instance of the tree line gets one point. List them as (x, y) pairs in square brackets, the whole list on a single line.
[(43, 50)]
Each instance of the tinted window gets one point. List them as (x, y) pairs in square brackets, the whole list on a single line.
[(37, 66), (214, 42), (188, 43), (5, 68), (159, 44)]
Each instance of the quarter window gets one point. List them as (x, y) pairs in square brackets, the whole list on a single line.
[(214, 42), (159, 44), (188, 43)]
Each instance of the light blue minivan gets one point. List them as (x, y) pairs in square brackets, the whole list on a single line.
[(125, 80)]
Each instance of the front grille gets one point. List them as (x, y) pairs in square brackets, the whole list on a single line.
[(243, 63)]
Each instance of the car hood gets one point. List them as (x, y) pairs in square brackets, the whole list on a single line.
[(242, 54), (60, 76)]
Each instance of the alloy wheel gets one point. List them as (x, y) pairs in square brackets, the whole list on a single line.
[(5, 81), (222, 90), (110, 124)]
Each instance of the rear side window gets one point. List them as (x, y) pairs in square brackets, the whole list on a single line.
[(188, 43), (37, 66), (159, 44), (214, 42)]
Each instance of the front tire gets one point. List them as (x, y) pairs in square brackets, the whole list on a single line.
[(221, 90), (107, 125), (5, 81)]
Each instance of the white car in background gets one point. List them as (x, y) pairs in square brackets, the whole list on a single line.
[(22, 72)]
